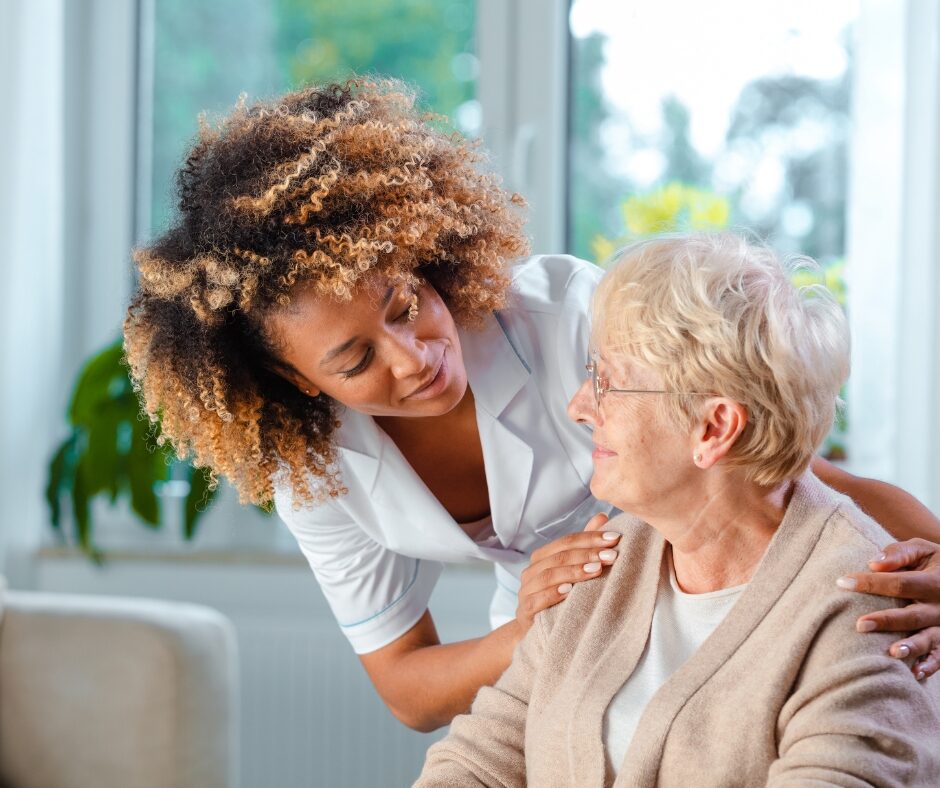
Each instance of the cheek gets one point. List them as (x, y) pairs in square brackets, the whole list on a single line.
[(634, 432)]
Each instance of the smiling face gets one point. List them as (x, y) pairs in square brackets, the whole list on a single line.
[(642, 459), (391, 350)]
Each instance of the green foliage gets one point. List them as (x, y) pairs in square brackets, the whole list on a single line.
[(414, 40), (673, 208), (207, 53), (111, 451), (594, 191), (831, 276)]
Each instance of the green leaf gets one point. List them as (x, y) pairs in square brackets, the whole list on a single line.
[(199, 499), (101, 457), (61, 474), (113, 451), (104, 377), (144, 469), (81, 511)]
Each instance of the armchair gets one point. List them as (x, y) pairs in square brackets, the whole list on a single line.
[(115, 693)]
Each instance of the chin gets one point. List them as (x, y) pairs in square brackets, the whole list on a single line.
[(604, 490), (445, 402), (455, 394), (599, 489)]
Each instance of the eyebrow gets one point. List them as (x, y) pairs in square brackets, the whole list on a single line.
[(339, 349)]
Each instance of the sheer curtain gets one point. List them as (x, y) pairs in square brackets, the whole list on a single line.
[(894, 247), (31, 251), (68, 90)]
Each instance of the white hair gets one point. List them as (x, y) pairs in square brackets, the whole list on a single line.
[(712, 312)]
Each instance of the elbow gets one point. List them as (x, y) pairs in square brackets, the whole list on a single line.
[(420, 720)]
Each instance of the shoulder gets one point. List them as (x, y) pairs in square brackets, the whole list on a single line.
[(546, 283), (848, 540), (642, 545), (298, 516)]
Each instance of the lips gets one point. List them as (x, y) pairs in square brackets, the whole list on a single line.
[(432, 387), (601, 452)]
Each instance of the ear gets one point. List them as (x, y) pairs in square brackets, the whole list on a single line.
[(293, 377), (721, 424), (305, 386)]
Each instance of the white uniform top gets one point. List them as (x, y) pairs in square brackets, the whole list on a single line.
[(378, 550), (681, 624)]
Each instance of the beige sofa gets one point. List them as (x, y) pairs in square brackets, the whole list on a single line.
[(103, 692)]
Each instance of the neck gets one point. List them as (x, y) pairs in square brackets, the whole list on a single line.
[(720, 539)]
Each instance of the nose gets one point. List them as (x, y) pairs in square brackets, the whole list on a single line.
[(407, 355), (581, 408)]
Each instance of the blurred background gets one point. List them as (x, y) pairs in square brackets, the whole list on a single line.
[(813, 125)]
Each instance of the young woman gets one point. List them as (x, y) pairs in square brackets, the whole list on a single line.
[(333, 323)]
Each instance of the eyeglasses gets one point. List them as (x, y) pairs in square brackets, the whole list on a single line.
[(601, 386)]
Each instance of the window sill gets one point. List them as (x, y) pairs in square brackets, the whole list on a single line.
[(182, 555)]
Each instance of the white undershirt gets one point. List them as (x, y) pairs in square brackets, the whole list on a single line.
[(681, 623), (481, 531)]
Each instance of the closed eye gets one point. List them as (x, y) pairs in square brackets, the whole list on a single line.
[(348, 373), (367, 357)]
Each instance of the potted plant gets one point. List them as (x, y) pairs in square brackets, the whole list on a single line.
[(111, 451)]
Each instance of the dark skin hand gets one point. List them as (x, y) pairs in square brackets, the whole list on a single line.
[(426, 684), (555, 568), (908, 570)]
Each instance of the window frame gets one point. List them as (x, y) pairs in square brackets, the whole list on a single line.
[(523, 89)]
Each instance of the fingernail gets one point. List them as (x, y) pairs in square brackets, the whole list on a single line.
[(866, 626), (848, 583), (921, 675), (607, 555), (564, 588), (592, 567), (881, 558), (904, 652), (611, 536)]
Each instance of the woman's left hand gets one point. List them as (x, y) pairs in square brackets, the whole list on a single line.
[(907, 570)]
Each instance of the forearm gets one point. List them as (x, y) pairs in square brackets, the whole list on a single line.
[(435, 683), (487, 747), (897, 511)]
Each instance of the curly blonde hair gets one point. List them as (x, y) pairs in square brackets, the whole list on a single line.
[(319, 187), (713, 312)]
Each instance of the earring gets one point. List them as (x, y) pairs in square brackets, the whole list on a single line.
[(697, 458)]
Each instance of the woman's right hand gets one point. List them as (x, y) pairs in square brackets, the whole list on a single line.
[(555, 568)]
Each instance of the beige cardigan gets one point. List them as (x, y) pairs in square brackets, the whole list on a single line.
[(784, 692)]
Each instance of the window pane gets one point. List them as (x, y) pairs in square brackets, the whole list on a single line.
[(710, 115), (207, 53)]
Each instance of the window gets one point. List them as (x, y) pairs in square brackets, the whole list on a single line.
[(739, 117), (205, 54)]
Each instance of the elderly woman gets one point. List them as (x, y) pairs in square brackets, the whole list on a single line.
[(722, 651)]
